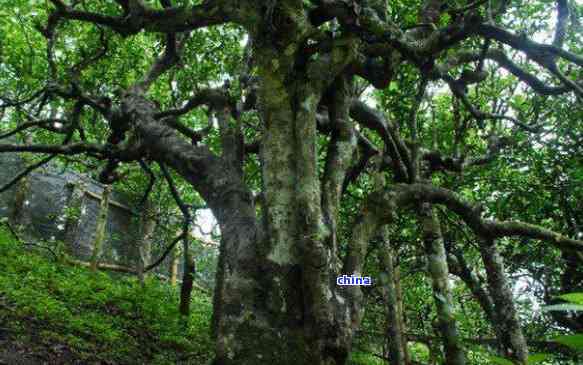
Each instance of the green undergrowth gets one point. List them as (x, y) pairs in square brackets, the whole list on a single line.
[(363, 358), (56, 313)]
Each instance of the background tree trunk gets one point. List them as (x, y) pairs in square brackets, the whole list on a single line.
[(187, 281), (439, 272), (506, 322), (401, 314), (395, 335)]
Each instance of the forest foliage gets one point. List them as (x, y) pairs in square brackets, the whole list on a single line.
[(521, 163)]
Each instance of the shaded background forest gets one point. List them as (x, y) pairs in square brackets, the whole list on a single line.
[(532, 174)]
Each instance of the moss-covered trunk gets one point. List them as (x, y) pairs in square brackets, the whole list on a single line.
[(277, 299), (395, 335), (439, 272), (506, 323)]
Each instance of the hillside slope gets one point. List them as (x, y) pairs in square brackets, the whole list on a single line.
[(52, 313)]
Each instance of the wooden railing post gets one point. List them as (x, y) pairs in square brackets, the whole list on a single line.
[(147, 228), (174, 266), (72, 213), (100, 230)]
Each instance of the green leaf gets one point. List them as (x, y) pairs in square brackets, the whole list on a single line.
[(576, 298), (572, 341), (563, 307), (536, 358), (500, 360)]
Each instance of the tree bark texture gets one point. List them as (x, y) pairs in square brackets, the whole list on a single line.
[(187, 281), (395, 335), (439, 273), (401, 313), (506, 323), (276, 298)]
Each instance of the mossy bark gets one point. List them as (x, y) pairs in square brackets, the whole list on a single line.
[(395, 335), (506, 323), (277, 298), (459, 267), (439, 273), (401, 314)]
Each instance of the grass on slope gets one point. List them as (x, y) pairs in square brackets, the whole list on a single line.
[(55, 313)]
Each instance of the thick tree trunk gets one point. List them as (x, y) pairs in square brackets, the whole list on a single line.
[(277, 299), (261, 315)]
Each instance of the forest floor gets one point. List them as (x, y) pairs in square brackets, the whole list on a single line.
[(53, 313)]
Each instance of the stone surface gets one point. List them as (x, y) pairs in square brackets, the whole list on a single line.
[(49, 193)]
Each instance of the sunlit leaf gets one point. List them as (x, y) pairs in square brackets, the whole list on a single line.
[(537, 358), (572, 341), (563, 307), (576, 298), (500, 360)]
